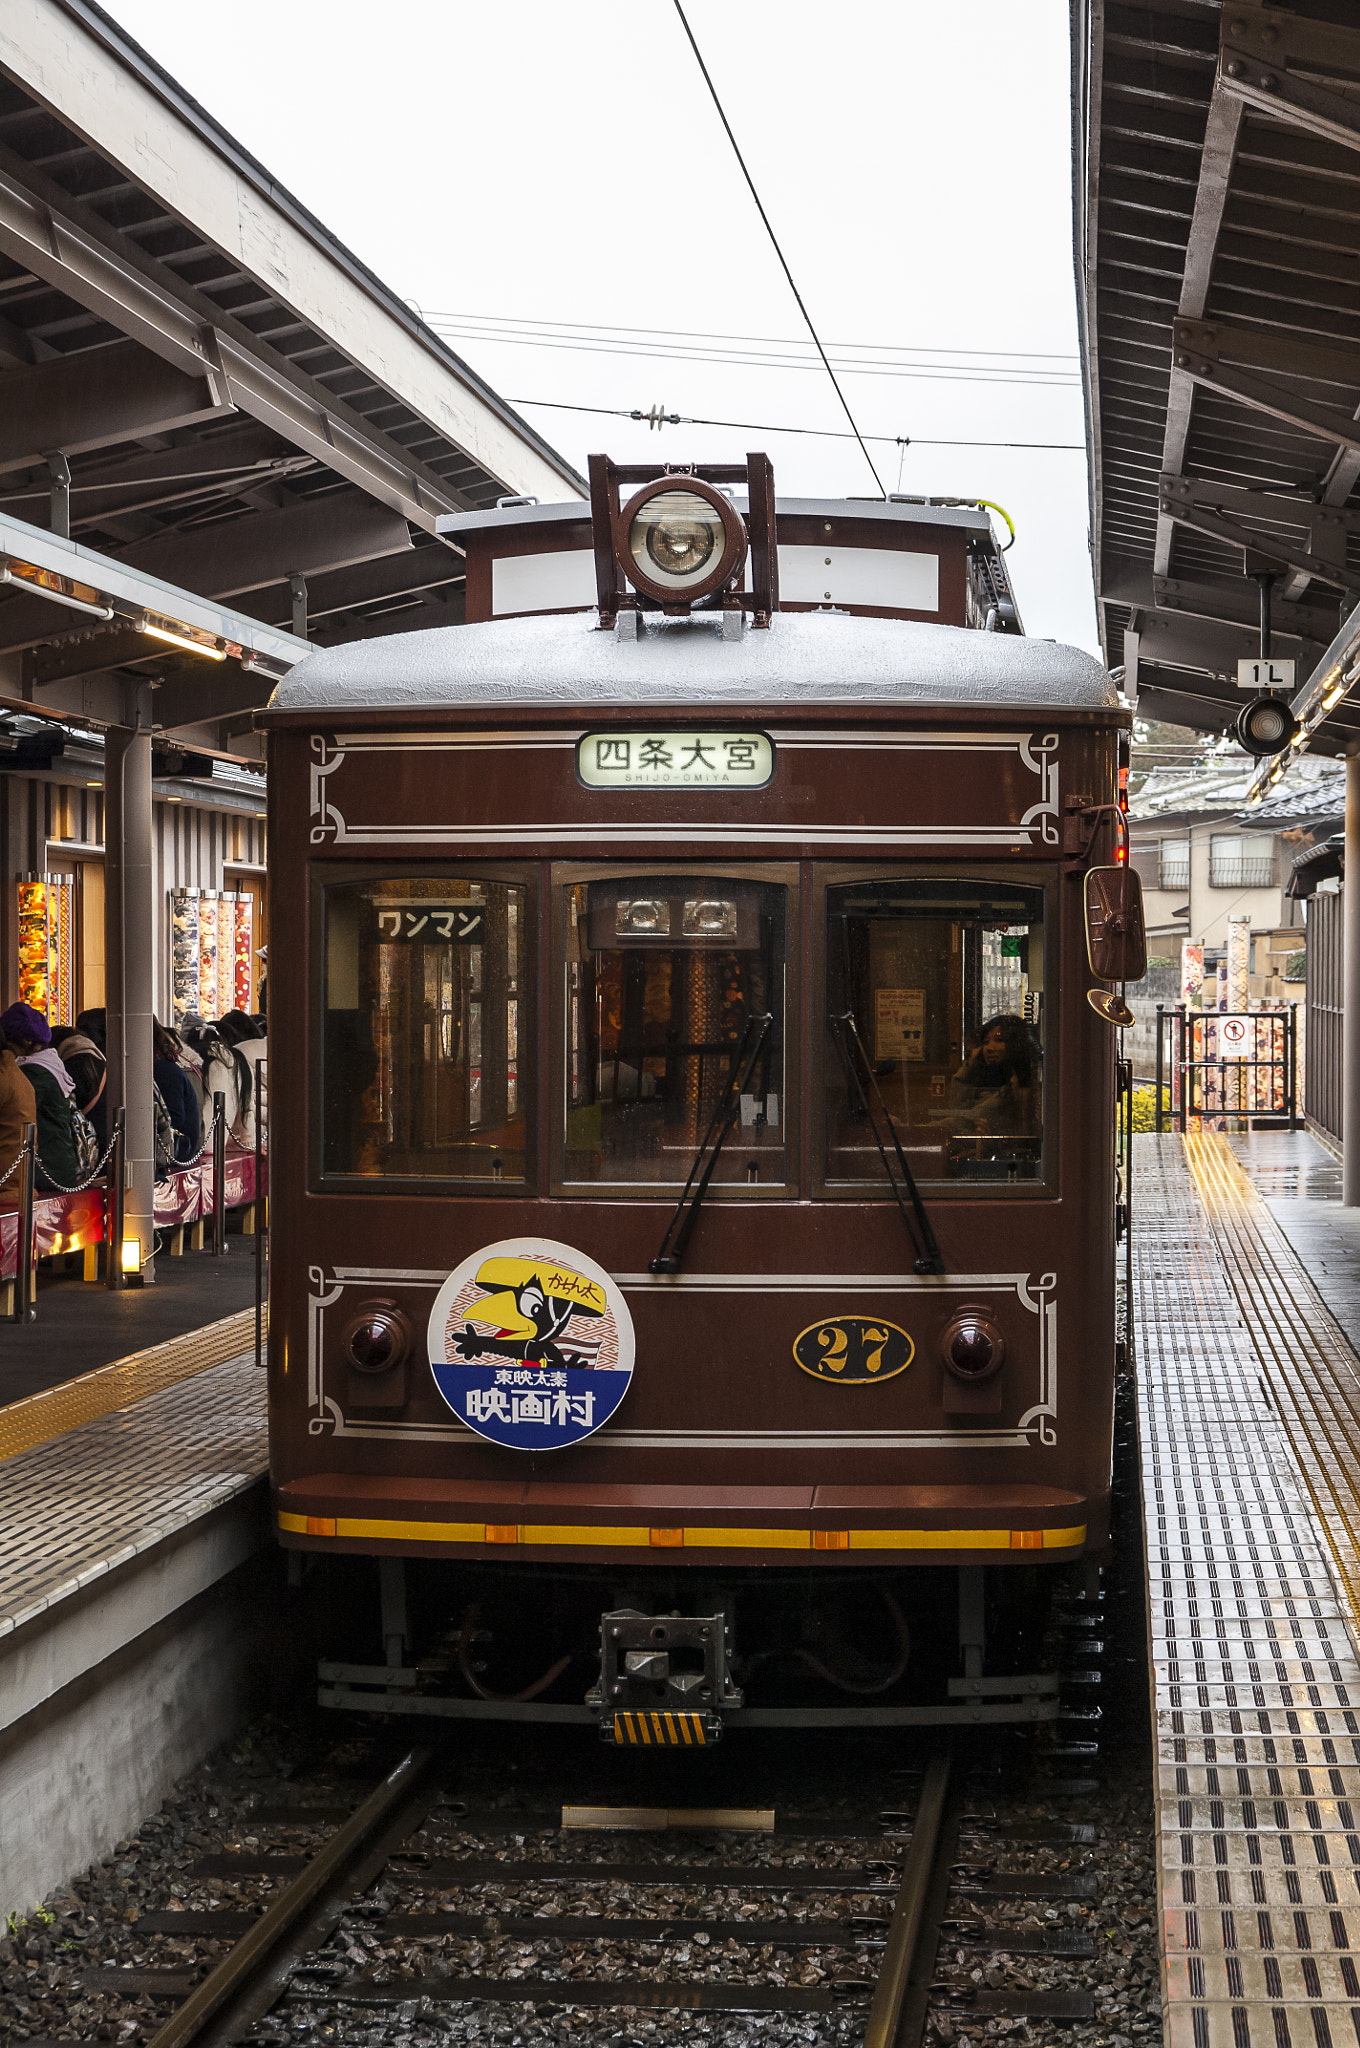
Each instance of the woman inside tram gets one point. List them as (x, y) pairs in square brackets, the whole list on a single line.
[(995, 1093)]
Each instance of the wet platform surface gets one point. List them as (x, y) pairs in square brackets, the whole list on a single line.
[(75, 1508), (1249, 1408), (80, 1327)]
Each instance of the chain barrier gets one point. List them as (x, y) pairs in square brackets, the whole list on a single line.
[(59, 1186), (18, 1162), (181, 1165)]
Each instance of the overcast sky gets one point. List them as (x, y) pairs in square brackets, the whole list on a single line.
[(527, 161)]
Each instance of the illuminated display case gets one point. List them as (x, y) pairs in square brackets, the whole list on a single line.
[(211, 953), (47, 908)]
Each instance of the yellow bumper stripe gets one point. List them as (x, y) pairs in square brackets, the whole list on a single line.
[(571, 1535)]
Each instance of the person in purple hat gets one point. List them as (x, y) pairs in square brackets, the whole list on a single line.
[(27, 1032)]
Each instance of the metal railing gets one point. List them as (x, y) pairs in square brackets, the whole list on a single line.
[(1221, 1066), (1173, 874), (1241, 871)]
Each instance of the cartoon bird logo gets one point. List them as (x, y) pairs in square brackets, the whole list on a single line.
[(528, 1304)]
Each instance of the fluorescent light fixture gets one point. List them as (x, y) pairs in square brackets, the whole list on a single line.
[(179, 637), (253, 666), (44, 583)]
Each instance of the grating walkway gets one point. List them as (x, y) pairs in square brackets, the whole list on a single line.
[(75, 1507), (1249, 1406)]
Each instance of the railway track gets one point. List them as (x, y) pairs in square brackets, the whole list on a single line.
[(415, 1904)]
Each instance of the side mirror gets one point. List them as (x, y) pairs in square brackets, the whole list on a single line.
[(1116, 938), (1116, 941)]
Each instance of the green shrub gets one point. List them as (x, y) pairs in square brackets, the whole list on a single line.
[(1296, 967)]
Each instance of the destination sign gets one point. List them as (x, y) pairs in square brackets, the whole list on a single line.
[(658, 758)]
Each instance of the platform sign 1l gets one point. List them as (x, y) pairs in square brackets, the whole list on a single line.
[(531, 1344), (1265, 675)]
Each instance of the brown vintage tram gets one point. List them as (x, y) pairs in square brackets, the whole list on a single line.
[(693, 1178)]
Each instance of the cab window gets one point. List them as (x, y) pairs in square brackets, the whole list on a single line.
[(935, 1020), (668, 978), (424, 1039)]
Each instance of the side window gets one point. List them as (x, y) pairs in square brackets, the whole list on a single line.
[(935, 1011), (669, 978), (423, 1042)]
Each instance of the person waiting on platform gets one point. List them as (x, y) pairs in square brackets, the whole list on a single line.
[(178, 1093), (27, 1031), (18, 1109), (88, 1068)]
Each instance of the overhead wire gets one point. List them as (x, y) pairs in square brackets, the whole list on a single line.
[(774, 240), (612, 328), (676, 419), (932, 372)]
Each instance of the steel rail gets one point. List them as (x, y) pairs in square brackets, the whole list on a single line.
[(256, 1957), (909, 1909)]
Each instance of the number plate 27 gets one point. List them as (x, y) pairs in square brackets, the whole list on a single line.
[(853, 1350)]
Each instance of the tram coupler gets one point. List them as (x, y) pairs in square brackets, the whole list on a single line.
[(663, 1679)]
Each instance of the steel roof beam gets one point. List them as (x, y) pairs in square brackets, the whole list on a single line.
[(232, 557), (78, 66), (74, 251), (76, 403), (1201, 346), (424, 568), (1192, 502), (1262, 60)]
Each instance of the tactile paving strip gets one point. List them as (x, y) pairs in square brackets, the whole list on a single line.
[(74, 1508), (1256, 1676), (40, 1416)]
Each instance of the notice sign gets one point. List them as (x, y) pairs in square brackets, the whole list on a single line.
[(899, 1023), (1234, 1038), (657, 758)]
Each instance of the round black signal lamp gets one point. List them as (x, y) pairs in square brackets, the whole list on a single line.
[(678, 539), (971, 1344), (377, 1339), (1266, 726)]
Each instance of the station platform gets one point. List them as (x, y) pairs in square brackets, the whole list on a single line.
[(133, 1510), (1249, 1415)]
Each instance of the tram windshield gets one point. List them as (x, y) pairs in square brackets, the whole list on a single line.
[(944, 981), (422, 1046), (663, 974)]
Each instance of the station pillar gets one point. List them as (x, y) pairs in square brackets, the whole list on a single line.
[(129, 920), (1350, 1014)]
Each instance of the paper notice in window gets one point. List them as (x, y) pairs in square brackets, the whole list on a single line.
[(899, 1023)]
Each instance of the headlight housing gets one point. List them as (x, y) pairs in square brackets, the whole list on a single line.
[(377, 1339), (678, 539)]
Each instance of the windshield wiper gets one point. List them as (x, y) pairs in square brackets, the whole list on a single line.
[(929, 1257), (681, 1226)]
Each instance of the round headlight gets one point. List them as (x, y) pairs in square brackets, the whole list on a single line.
[(678, 541), (971, 1344), (377, 1338), (676, 536)]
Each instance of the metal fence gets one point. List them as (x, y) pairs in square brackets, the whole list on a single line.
[(1217, 1066)]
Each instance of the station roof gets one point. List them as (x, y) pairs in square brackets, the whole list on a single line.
[(1217, 174), (238, 399)]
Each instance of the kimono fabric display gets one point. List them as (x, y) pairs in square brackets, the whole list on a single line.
[(184, 952), (46, 946), (211, 953), (207, 954)]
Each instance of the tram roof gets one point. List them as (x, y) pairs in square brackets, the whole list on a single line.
[(563, 661)]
